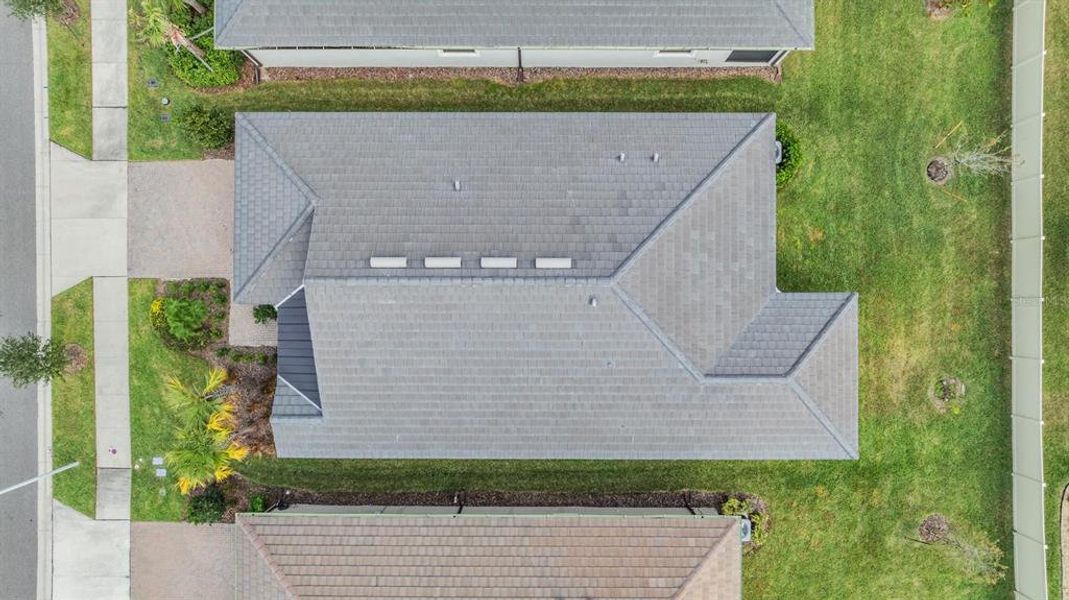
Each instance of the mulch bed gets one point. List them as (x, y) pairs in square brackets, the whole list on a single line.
[(511, 76), (238, 490)]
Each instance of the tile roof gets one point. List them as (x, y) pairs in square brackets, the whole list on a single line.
[(287, 556), (666, 338), (762, 24)]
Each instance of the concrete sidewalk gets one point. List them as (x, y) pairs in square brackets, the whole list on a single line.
[(89, 239)]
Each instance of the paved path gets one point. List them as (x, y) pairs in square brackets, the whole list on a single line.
[(89, 239), (181, 219), (180, 227), (18, 307), (178, 561), (88, 218)]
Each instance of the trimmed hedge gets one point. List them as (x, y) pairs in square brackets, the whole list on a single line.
[(792, 154), (210, 127)]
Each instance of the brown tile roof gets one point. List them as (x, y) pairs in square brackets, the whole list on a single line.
[(503, 557)]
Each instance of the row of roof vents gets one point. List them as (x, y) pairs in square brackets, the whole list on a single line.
[(453, 262)]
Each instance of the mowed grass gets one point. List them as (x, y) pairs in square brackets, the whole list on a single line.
[(871, 105), (1056, 281), (70, 83), (151, 423), (73, 403)]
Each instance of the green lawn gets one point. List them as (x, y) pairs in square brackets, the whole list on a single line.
[(70, 87), (1056, 280), (73, 422), (151, 423), (931, 265)]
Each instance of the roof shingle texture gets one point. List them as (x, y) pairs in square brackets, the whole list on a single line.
[(666, 339), (505, 558), (770, 24)]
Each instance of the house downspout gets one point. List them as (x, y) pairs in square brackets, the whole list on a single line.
[(256, 74), (519, 62)]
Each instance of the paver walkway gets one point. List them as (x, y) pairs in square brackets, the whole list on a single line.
[(178, 561), (89, 239)]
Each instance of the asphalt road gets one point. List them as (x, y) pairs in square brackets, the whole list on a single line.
[(18, 408)]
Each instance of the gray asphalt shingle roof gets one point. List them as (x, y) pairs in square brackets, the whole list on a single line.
[(667, 338), (764, 24)]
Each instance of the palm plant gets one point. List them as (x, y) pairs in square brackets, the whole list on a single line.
[(194, 405), (203, 447), (155, 28)]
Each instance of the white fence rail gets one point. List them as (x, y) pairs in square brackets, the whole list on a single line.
[(1029, 541)]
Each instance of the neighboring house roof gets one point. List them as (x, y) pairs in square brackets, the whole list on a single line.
[(666, 339), (283, 556), (764, 24)]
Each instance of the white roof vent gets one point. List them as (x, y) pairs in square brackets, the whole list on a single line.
[(656, 157), (553, 263), (456, 185), (389, 262), (442, 262), (498, 262), (622, 157)]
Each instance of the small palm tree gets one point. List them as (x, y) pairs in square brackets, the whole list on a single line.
[(204, 447), (156, 29), (193, 405)]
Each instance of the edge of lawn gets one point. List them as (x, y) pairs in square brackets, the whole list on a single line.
[(74, 402), (70, 82)]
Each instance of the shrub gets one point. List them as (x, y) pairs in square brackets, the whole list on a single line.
[(29, 359), (207, 507), (257, 504), (743, 507), (263, 313), (225, 64), (209, 127), (792, 154), (185, 318)]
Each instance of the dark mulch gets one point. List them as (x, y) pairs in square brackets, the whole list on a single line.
[(252, 392), (934, 529), (938, 170), (77, 358), (238, 491), (224, 153), (511, 76), (69, 12), (938, 10)]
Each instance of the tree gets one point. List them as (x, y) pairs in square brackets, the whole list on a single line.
[(29, 359), (27, 9)]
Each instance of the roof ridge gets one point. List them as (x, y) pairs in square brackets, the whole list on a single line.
[(636, 309), (689, 200), (700, 568), (269, 560), (305, 190), (801, 37), (821, 418), (821, 335)]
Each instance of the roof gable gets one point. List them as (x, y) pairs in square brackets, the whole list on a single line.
[(826, 378), (492, 557), (765, 24), (704, 274), (271, 204)]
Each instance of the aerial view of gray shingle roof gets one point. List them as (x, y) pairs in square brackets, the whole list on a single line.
[(654, 330), (290, 556), (762, 24)]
